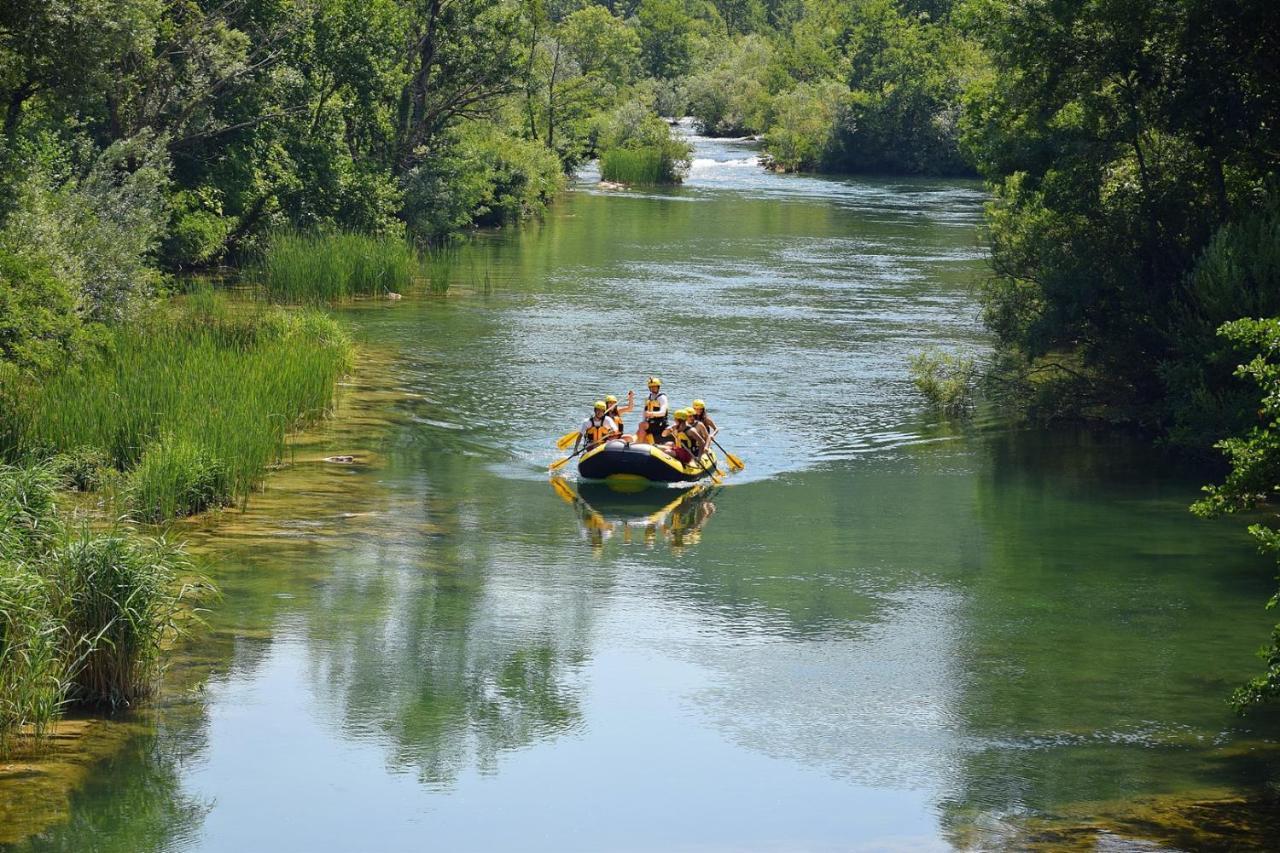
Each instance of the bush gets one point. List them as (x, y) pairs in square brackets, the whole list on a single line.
[(176, 478), (297, 267), (39, 326), (946, 380), (82, 469), (119, 597), (802, 132), (638, 147)]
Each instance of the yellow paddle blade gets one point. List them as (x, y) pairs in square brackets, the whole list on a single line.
[(734, 462), (563, 490), (559, 463), (566, 441)]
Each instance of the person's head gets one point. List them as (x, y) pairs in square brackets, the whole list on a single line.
[(681, 415), (600, 407), (655, 384), (610, 400), (699, 407)]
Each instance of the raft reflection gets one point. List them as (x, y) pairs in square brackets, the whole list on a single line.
[(644, 515)]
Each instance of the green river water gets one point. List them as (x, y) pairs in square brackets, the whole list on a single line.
[(885, 634)]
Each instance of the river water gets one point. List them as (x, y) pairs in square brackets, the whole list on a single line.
[(886, 633)]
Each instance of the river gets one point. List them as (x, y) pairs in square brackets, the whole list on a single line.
[(886, 633)]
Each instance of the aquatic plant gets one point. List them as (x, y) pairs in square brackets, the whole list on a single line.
[(332, 267), (81, 469), (32, 663), (28, 516), (223, 384), (635, 166), (119, 597), (946, 380), (177, 477)]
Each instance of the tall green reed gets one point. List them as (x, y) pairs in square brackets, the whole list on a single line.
[(635, 166), (230, 380), (120, 599), (332, 267)]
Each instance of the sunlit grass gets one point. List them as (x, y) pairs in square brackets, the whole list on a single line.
[(198, 399), (636, 166), (332, 267)]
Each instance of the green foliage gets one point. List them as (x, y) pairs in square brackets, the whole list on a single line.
[(946, 380), (634, 166), (298, 267), (801, 135), (732, 98), (601, 43), (1115, 168), (1254, 477), (28, 521), (638, 147), (174, 478), (39, 326), (232, 380), (666, 37), (479, 178), (82, 469), (119, 599)]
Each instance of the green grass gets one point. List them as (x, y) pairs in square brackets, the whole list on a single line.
[(636, 166), (120, 596), (321, 268), (211, 385), (33, 666), (84, 616)]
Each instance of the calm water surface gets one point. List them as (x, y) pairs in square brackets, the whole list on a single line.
[(885, 634)]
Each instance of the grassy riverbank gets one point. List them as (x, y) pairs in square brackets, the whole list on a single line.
[(187, 406)]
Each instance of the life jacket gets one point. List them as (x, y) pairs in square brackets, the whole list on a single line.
[(683, 439), (654, 404), (598, 430), (612, 412)]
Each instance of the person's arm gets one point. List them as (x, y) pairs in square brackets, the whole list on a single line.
[(629, 407), (582, 434), (711, 427), (661, 411), (613, 426)]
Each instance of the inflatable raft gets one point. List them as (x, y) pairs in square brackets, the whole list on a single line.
[(648, 461)]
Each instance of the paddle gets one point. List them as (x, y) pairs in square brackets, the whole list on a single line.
[(734, 462), (560, 463), (566, 441)]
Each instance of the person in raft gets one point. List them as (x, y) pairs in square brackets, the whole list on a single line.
[(597, 428), (616, 412), (683, 440), (655, 414), (700, 417)]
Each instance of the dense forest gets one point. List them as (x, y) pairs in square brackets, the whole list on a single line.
[(1130, 147)]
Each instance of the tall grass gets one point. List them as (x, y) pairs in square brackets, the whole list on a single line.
[(316, 268), (32, 662), (120, 598), (222, 384), (633, 166), (83, 616)]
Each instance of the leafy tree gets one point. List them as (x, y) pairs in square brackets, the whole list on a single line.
[(666, 37)]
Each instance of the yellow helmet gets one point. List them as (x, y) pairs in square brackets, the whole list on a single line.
[(681, 414), (699, 405), (653, 380), (600, 406), (611, 399)]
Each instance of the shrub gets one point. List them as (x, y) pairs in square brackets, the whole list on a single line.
[(638, 147), (83, 469), (177, 477), (119, 597), (947, 380), (32, 665), (39, 326)]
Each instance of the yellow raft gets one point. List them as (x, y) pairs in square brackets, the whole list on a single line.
[(618, 459)]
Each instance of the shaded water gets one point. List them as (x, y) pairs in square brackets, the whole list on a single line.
[(884, 634)]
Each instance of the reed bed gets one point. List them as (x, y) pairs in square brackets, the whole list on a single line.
[(332, 267), (84, 615), (635, 166), (194, 403), (120, 596)]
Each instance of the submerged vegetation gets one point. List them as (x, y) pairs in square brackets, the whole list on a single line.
[(84, 615)]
